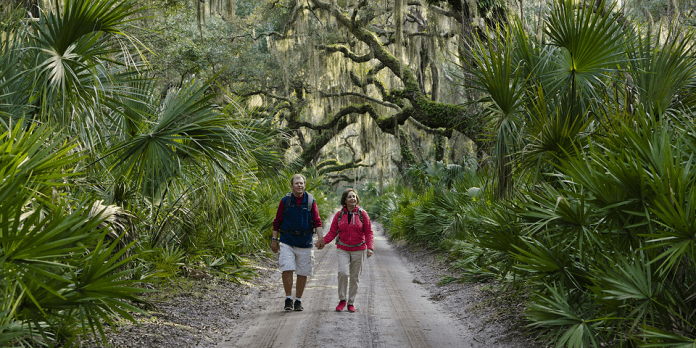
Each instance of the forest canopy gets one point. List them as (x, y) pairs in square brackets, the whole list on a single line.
[(548, 145)]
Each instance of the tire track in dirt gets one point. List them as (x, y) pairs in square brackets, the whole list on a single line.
[(320, 290), (399, 306), (404, 315), (275, 327), (369, 319)]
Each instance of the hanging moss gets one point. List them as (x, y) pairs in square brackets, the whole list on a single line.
[(398, 28), (439, 148), (406, 152), (394, 73)]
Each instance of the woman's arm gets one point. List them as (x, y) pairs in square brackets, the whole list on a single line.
[(275, 247), (333, 231)]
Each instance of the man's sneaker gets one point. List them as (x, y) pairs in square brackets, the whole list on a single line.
[(288, 304), (351, 308), (298, 305), (341, 305)]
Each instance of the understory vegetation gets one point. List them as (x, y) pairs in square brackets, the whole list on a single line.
[(125, 161), (589, 196), (107, 184)]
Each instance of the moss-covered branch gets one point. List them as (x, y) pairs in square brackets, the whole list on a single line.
[(407, 154), (327, 163), (346, 52), (334, 180), (361, 95), (338, 121), (338, 167), (370, 79), (388, 124)]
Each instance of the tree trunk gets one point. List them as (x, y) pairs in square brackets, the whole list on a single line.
[(439, 148), (198, 17), (381, 181), (435, 72), (231, 10), (398, 29)]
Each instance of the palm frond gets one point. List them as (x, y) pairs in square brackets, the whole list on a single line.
[(69, 41), (572, 322), (663, 72), (499, 75), (592, 44), (656, 338), (637, 286)]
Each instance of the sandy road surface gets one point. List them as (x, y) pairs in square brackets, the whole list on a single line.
[(392, 311)]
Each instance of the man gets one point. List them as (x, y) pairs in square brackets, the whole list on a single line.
[(297, 219)]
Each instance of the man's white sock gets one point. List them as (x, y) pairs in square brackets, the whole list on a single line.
[(298, 299)]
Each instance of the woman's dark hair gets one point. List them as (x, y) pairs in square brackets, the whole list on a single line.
[(345, 195)]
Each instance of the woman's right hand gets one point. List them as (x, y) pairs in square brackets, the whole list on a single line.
[(274, 247)]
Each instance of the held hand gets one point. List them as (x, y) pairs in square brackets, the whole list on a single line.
[(369, 253), (274, 247), (320, 243)]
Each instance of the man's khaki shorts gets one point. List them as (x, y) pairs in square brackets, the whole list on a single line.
[(300, 260)]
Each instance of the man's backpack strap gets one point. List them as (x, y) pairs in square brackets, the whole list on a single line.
[(289, 196), (310, 200), (286, 202)]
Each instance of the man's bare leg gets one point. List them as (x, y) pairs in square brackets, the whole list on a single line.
[(287, 283), (301, 282)]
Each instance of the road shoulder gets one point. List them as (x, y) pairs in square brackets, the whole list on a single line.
[(484, 308)]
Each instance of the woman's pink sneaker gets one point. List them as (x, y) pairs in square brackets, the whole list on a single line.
[(340, 306), (351, 308)]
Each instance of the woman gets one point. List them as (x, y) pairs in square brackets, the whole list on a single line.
[(354, 231)]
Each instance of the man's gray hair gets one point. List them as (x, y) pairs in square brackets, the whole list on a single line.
[(292, 180)]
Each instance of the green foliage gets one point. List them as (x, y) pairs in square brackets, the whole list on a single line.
[(124, 183), (591, 44), (662, 71), (167, 261), (573, 323), (660, 338), (594, 122), (228, 51), (12, 331), (435, 208), (471, 260), (57, 267)]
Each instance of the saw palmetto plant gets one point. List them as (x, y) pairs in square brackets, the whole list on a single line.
[(590, 125), (58, 266), (602, 144), (100, 166)]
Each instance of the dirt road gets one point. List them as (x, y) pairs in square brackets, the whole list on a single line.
[(393, 311)]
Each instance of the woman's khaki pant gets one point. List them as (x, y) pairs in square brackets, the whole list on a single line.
[(349, 263)]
